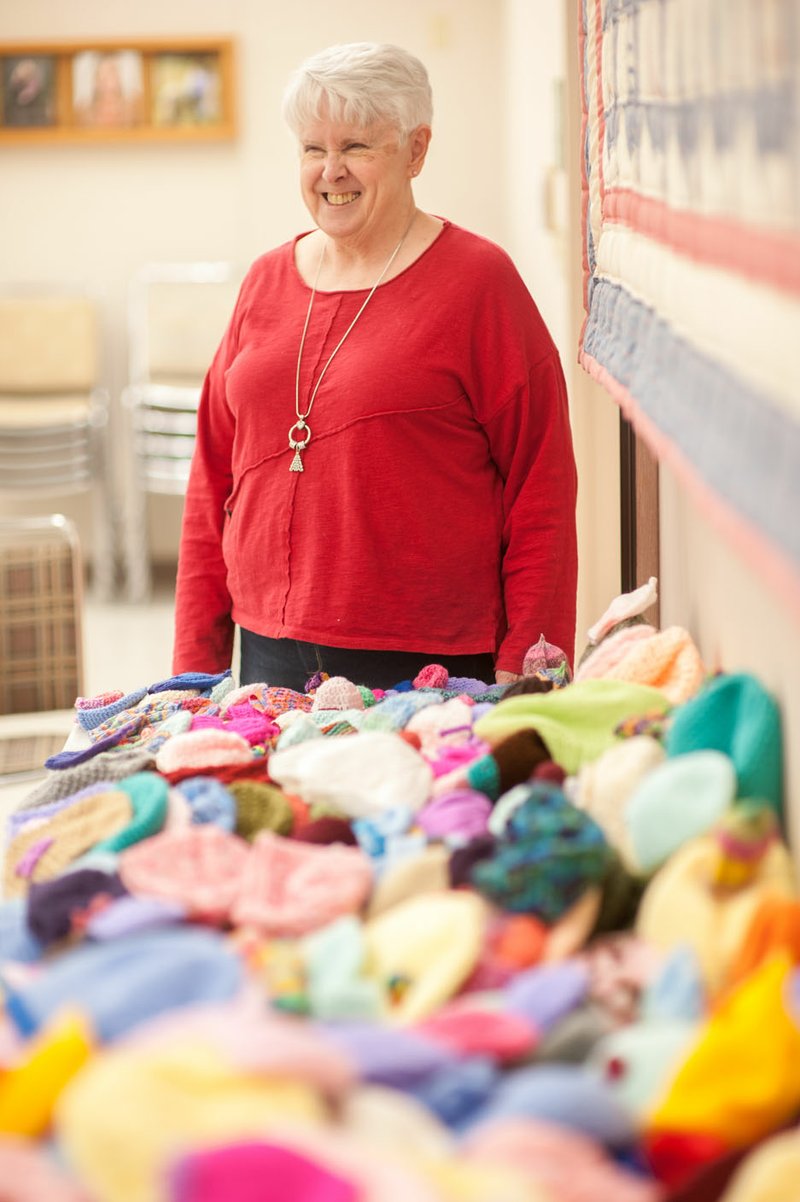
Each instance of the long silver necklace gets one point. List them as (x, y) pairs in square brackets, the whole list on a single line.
[(301, 427)]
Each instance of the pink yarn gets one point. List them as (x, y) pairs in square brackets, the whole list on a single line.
[(432, 676), (292, 888), (202, 749), (244, 720), (102, 699), (200, 866), (251, 1172)]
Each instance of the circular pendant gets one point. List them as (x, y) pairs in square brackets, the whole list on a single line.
[(299, 444)]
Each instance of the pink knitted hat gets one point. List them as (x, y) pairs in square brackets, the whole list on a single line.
[(200, 866), (202, 749), (667, 660), (292, 888), (338, 693)]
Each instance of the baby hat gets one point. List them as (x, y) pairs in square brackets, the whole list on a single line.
[(666, 659), (549, 854), (736, 715), (361, 775), (603, 787), (199, 866), (577, 723)]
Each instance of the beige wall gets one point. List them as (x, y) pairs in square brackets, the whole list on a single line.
[(97, 213)]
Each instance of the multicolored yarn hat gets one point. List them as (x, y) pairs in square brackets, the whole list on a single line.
[(547, 662), (292, 888), (736, 715), (200, 866), (42, 851), (549, 854), (93, 711)]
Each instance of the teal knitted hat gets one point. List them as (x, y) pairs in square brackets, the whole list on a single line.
[(736, 715)]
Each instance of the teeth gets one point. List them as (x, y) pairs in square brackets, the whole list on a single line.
[(341, 198)]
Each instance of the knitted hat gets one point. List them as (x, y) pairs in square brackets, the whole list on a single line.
[(754, 1029), (107, 766), (28, 1174), (93, 711), (242, 719), (41, 852), (602, 788), (576, 723), (291, 888), (426, 872), (424, 948), (148, 794), (361, 775), (200, 866), (336, 984), (120, 983), (623, 607), (667, 659), (680, 798), (53, 905), (549, 854), (30, 1087), (338, 693), (260, 807), (510, 762), (202, 749), (682, 905), (736, 715), (327, 829), (460, 814), (209, 801), (472, 1029), (240, 1170), (432, 676)]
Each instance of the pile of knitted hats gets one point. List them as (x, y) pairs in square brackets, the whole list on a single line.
[(447, 942)]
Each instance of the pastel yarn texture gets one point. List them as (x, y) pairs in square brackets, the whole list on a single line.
[(441, 942)]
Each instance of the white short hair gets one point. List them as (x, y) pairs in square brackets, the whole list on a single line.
[(362, 83)]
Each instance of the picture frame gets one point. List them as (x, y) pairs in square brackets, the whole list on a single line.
[(120, 90), (28, 95)]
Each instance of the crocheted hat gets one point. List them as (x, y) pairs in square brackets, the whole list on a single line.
[(603, 787), (200, 866), (198, 749), (735, 714), (292, 888), (40, 852), (338, 693), (667, 660), (549, 854), (260, 807)]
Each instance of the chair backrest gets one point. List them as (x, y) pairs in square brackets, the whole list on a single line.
[(178, 314), (48, 344), (41, 649)]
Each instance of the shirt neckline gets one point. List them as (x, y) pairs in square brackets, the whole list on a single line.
[(355, 291)]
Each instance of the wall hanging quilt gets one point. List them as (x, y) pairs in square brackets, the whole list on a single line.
[(691, 206)]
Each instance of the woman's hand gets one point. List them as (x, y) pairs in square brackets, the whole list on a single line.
[(502, 677)]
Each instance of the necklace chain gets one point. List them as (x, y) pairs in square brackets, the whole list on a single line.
[(300, 425)]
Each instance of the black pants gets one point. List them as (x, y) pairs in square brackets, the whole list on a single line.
[(290, 663)]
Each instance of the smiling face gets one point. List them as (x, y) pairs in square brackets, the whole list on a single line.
[(356, 182)]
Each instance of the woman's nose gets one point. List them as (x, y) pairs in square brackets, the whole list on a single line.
[(334, 167)]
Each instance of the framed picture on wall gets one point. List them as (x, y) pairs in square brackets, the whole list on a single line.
[(121, 90), (28, 91), (107, 88), (185, 89)]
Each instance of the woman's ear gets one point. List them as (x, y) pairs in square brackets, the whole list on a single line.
[(418, 142)]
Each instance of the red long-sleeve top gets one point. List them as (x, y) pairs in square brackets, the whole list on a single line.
[(436, 509)]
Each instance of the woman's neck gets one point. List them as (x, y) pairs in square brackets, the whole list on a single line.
[(356, 265)]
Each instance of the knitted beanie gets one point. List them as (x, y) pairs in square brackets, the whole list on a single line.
[(200, 866), (209, 801), (42, 851), (240, 1170), (107, 766), (93, 711), (199, 749), (432, 676), (338, 693), (53, 905), (510, 762), (260, 807), (148, 794), (667, 659), (293, 888), (549, 854), (736, 715)]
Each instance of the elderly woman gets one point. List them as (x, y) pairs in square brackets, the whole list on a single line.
[(383, 475)]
